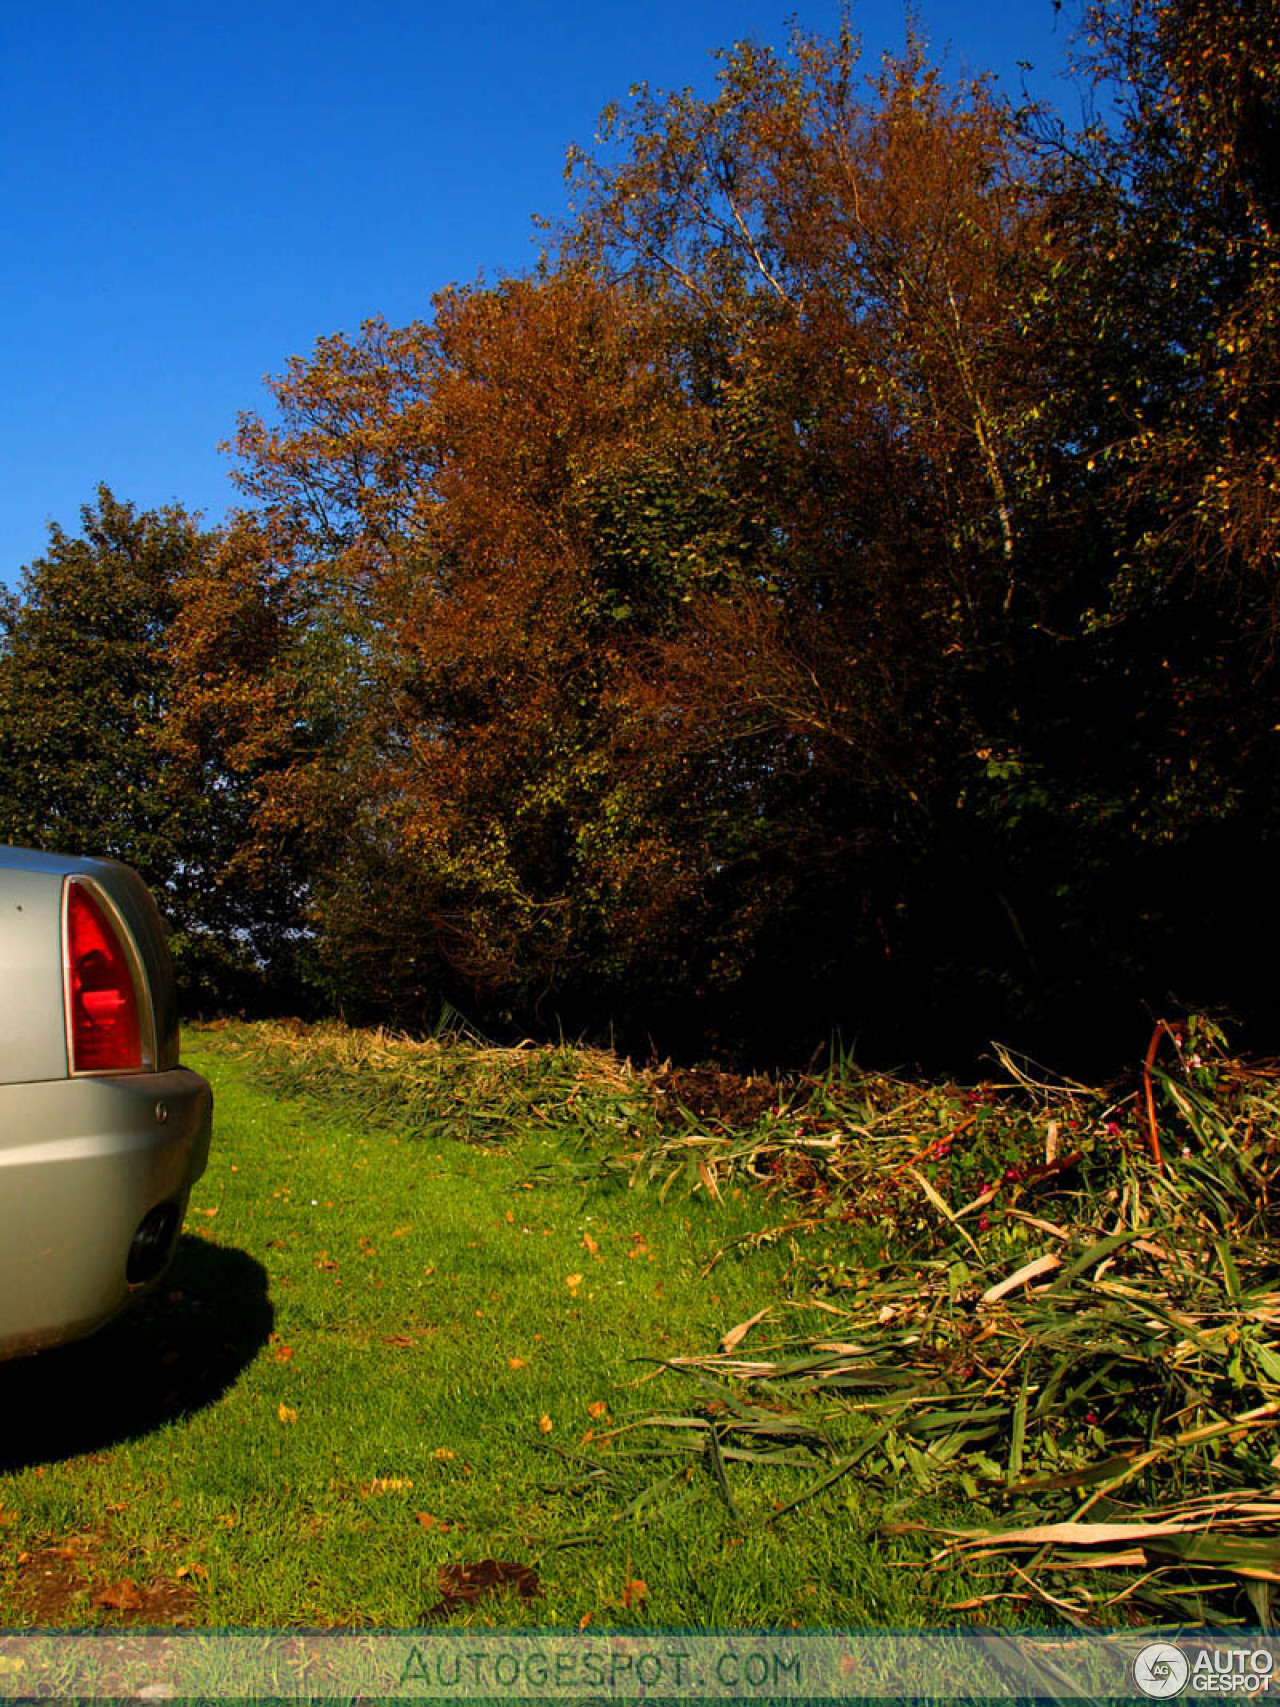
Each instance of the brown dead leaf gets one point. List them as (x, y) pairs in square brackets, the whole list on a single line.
[(635, 1591), (461, 1585), (282, 1353), (124, 1596), (200, 1571)]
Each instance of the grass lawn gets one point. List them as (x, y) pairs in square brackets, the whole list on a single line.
[(524, 1337), (386, 1356)]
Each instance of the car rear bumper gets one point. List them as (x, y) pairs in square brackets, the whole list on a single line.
[(83, 1162)]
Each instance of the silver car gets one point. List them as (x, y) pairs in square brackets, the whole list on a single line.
[(102, 1133)]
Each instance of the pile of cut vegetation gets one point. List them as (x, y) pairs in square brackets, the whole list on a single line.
[(1057, 1300)]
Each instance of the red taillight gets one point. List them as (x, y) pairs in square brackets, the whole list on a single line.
[(102, 998)]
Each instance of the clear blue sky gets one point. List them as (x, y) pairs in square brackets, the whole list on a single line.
[(193, 192)]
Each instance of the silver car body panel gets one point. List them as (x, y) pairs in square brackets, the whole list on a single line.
[(83, 1159), (81, 1163)]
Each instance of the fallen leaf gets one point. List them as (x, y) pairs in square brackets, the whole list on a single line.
[(515, 1363), (461, 1584), (511, 1215), (201, 1571), (584, 1621), (635, 1591), (735, 1336), (592, 1247), (286, 1413), (597, 1408), (573, 1282), (124, 1596), (442, 1453), (385, 1485), (282, 1353), (545, 1423)]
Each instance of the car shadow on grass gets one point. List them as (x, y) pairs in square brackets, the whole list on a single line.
[(175, 1352)]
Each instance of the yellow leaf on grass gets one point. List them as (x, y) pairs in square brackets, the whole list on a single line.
[(597, 1408), (591, 1246), (286, 1413), (386, 1485), (515, 1363), (573, 1282), (443, 1452), (545, 1423), (735, 1336)]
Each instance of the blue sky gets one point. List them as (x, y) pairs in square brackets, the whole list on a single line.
[(191, 192)]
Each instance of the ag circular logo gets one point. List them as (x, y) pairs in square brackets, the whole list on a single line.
[(1161, 1670)]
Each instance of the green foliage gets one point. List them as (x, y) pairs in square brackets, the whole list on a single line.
[(90, 763)]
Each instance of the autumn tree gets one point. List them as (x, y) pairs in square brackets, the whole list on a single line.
[(809, 598)]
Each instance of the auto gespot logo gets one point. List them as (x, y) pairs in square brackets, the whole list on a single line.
[(1162, 1670)]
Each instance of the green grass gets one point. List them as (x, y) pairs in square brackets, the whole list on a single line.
[(450, 1321), (370, 1362)]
